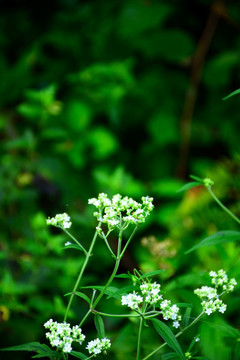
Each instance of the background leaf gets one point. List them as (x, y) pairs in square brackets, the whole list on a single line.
[(220, 237)]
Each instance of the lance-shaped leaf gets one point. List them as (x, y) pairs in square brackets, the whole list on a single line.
[(99, 324), (236, 92), (217, 238), (42, 350), (168, 336), (80, 294), (79, 355), (190, 185)]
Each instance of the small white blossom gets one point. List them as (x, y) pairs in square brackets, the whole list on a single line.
[(176, 324), (68, 243)]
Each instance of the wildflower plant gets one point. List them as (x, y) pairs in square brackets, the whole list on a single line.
[(146, 301)]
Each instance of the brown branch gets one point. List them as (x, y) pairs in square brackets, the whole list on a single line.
[(217, 11)]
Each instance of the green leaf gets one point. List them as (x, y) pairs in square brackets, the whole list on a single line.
[(196, 178), (99, 324), (79, 355), (42, 350), (72, 246), (110, 291), (152, 273), (168, 336), (236, 92), (118, 294), (189, 186), (217, 238), (187, 316), (123, 276), (80, 294), (169, 356)]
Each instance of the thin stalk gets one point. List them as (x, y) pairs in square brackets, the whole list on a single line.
[(89, 253), (178, 334), (139, 341), (147, 315), (130, 238), (76, 241), (108, 246), (118, 259), (223, 206)]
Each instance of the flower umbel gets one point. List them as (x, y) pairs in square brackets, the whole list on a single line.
[(150, 295), (98, 345), (61, 220), (62, 335), (209, 295), (121, 211)]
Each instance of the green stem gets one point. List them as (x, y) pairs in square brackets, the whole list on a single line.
[(108, 246), (73, 238), (118, 259), (89, 253), (139, 341), (178, 334), (223, 206), (130, 238)]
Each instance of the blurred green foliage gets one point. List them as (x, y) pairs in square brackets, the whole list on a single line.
[(92, 99)]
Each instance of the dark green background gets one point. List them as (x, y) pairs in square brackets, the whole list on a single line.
[(116, 96)]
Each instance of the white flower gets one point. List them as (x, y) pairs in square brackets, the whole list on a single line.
[(176, 324), (208, 311), (67, 348), (68, 243)]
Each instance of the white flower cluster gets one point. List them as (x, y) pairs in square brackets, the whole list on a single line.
[(62, 220), (121, 211), (150, 294), (170, 311), (62, 335), (98, 345), (151, 291), (209, 295), (221, 279), (132, 300)]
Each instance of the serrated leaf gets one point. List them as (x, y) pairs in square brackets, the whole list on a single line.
[(79, 355), (217, 238), (168, 336), (99, 324), (189, 186), (80, 294), (236, 92)]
